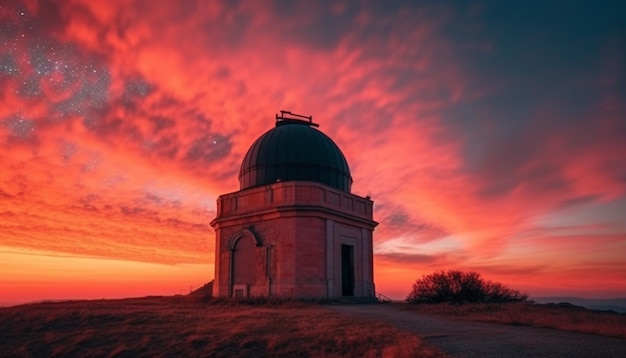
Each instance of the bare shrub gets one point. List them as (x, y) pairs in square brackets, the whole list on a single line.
[(461, 287)]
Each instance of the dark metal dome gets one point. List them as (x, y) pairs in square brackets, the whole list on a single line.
[(294, 151)]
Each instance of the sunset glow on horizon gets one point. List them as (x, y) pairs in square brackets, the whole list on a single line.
[(491, 137)]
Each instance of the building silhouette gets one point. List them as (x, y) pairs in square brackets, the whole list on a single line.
[(294, 229)]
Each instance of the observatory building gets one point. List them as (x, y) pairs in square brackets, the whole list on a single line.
[(294, 229)]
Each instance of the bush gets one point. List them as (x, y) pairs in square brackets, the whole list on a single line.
[(461, 287)]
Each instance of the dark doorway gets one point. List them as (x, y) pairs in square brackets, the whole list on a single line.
[(347, 270)]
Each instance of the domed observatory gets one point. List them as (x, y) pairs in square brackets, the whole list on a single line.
[(294, 229)]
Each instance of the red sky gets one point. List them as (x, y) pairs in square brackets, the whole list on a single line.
[(491, 137)]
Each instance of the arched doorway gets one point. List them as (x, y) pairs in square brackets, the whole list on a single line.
[(243, 264)]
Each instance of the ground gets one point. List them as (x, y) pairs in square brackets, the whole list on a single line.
[(194, 326)]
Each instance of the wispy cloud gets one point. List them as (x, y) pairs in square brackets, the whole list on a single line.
[(120, 124)]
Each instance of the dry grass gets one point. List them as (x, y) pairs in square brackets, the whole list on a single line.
[(561, 317), (191, 326)]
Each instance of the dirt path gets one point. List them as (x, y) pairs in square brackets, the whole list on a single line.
[(475, 339)]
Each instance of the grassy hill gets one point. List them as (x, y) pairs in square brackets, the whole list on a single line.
[(195, 326), (614, 304), (560, 316)]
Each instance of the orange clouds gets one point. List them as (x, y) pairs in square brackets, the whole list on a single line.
[(120, 124)]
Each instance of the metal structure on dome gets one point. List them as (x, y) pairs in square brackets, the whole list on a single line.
[(294, 117)]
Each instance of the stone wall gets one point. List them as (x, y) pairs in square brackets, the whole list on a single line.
[(298, 229)]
